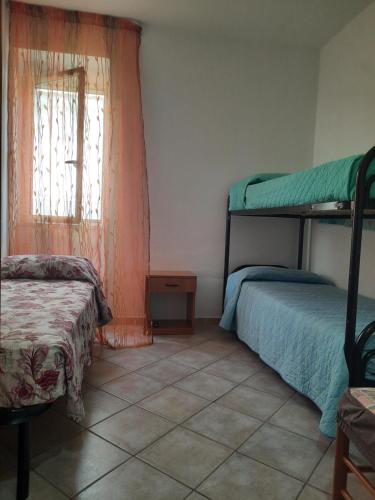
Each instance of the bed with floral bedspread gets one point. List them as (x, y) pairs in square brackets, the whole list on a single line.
[(50, 309)]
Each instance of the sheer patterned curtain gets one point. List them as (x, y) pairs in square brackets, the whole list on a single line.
[(77, 170)]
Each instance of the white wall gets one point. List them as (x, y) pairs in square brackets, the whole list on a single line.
[(215, 111), (345, 125)]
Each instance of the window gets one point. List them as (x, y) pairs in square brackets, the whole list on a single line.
[(68, 149)]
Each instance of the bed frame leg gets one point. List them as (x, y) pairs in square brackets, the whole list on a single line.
[(341, 473), (227, 249), (23, 461), (360, 199), (301, 236)]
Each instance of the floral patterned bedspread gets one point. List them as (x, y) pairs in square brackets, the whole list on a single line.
[(48, 326), (57, 267)]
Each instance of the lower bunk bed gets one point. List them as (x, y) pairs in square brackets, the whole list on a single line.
[(295, 321)]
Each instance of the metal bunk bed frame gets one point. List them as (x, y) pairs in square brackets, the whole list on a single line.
[(358, 210)]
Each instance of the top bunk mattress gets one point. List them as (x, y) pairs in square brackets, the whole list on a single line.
[(332, 181)]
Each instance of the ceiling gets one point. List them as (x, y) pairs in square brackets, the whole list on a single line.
[(298, 22)]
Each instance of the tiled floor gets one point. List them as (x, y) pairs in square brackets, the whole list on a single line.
[(188, 417)]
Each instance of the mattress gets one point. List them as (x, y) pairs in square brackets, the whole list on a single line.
[(50, 309), (297, 328), (47, 329), (332, 181)]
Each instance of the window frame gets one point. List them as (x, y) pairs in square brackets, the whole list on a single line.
[(78, 163)]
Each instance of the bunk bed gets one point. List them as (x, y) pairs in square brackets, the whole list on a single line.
[(303, 326)]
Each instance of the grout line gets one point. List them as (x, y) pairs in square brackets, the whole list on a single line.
[(211, 401), (183, 422), (101, 477), (151, 442), (49, 482), (166, 385), (315, 468), (147, 364), (235, 450)]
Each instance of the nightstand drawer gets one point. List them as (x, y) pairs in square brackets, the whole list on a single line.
[(172, 284)]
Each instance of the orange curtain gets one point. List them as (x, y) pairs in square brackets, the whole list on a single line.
[(77, 170)]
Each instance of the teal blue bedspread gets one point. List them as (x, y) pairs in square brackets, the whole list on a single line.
[(332, 181), (295, 321)]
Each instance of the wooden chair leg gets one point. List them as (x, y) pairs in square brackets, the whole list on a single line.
[(341, 472), (23, 461)]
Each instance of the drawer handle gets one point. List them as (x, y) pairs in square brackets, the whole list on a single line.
[(171, 284)]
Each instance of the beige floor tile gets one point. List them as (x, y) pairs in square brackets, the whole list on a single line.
[(245, 355), (254, 403), (79, 462), (241, 478), (190, 452), (283, 450), (223, 425), (299, 415), (132, 429), (98, 406), (163, 350), (135, 480), (219, 349), (205, 385), (133, 387), (185, 455), (174, 404), (269, 381), (166, 371), (192, 357), (322, 477), (214, 333), (190, 340), (103, 352), (220, 336), (43, 431), (39, 489), (310, 493), (131, 359), (195, 496), (101, 372), (235, 371), (43, 435)]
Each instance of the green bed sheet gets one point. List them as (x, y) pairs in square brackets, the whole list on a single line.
[(332, 181)]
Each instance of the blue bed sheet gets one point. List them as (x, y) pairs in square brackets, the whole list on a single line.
[(297, 328)]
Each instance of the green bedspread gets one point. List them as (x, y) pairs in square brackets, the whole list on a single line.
[(237, 192), (332, 181)]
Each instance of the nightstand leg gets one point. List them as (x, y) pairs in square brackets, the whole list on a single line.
[(190, 308)]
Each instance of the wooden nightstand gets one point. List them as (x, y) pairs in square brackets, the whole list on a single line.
[(174, 282)]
